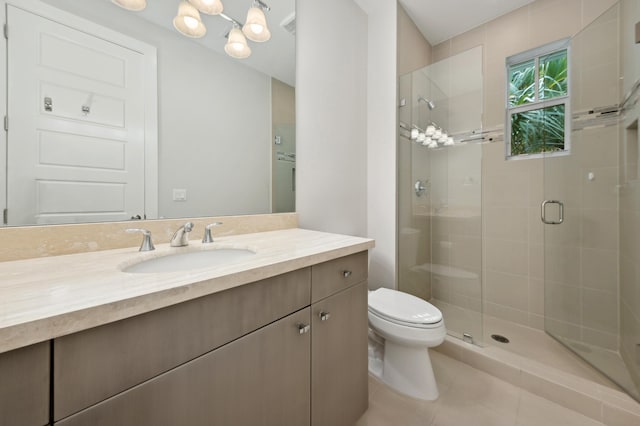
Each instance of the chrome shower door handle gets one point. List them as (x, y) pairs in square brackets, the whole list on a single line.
[(560, 212)]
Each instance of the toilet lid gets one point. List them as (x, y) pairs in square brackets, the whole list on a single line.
[(403, 307)]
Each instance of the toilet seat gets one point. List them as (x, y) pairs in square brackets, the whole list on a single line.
[(404, 309)]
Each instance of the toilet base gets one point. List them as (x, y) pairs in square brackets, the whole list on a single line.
[(408, 370)]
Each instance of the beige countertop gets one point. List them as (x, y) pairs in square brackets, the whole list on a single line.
[(44, 298)]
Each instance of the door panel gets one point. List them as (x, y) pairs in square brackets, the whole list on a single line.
[(76, 109)]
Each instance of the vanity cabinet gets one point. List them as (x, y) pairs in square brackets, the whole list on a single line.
[(101, 362), (288, 350), (24, 386), (259, 379)]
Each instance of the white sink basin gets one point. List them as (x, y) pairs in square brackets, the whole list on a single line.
[(190, 260)]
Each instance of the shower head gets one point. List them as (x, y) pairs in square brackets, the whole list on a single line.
[(429, 103)]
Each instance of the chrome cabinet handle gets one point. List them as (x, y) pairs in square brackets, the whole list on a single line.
[(346, 274), (324, 316), (543, 212), (304, 328)]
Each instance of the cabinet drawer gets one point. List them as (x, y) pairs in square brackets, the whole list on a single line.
[(96, 364), (330, 277), (24, 386), (259, 379)]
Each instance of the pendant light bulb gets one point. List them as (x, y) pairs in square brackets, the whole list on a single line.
[(210, 7), (236, 46), (255, 27), (134, 5), (188, 21)]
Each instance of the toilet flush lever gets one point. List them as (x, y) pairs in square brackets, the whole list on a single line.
[(324, 316)]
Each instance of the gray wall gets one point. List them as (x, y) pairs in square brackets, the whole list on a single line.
[(331, 109)]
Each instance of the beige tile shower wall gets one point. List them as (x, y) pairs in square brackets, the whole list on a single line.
[(513, 254), (414, 53), (40, 241)]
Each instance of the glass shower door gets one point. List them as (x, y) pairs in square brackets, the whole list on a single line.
[(588, 231), (440, 190)]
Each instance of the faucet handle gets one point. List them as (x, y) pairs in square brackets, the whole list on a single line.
[(147, 244), (207, 238)]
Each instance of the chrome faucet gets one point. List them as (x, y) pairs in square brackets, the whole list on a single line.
[(147, 244), (207, 238), (181, 236)]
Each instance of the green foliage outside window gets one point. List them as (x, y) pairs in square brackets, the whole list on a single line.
[(537, 127)]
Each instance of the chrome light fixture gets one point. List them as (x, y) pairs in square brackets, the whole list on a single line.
[(237, 46), (255, 27), (188, 21), (134, 5), (210, 7)]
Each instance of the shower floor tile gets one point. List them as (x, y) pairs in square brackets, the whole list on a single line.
[(467, 397), (539, 346)]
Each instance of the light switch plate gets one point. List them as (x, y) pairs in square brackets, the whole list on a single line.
[(179, 195)]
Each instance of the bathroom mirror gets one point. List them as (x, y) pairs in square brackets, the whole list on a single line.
[(226, 127)]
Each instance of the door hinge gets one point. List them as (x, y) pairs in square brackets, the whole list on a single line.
[(5, 217), (5, 30), (6, 123)]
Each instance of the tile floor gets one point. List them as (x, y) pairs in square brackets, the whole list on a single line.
[(468, 397)]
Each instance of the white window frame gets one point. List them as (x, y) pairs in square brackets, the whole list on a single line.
[(535, 54)]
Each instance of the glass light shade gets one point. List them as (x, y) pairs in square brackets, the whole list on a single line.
[(449, 142), (135, 5), (236, 46), (414, 134), (188, 21), (421, 137), (437, 134), (431, 130), (443, 138), (255, 27), (433, 144), (427, 142), (210, 7)]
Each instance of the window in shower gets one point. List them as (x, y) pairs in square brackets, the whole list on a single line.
[(538, 115)]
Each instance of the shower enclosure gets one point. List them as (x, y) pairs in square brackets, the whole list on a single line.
[(439, 192), (590, 204)]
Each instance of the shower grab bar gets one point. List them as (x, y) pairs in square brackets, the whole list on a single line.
[(561, 212)]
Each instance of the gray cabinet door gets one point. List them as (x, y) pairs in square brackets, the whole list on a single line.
[(24, 386), (96, 364), (339, 374), (261, 379)]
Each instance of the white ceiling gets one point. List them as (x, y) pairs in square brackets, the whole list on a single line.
[(440, 20)]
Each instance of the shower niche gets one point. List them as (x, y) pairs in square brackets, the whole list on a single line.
[(439, 193)]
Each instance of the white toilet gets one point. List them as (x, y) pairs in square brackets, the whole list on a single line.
[(409, 326)]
